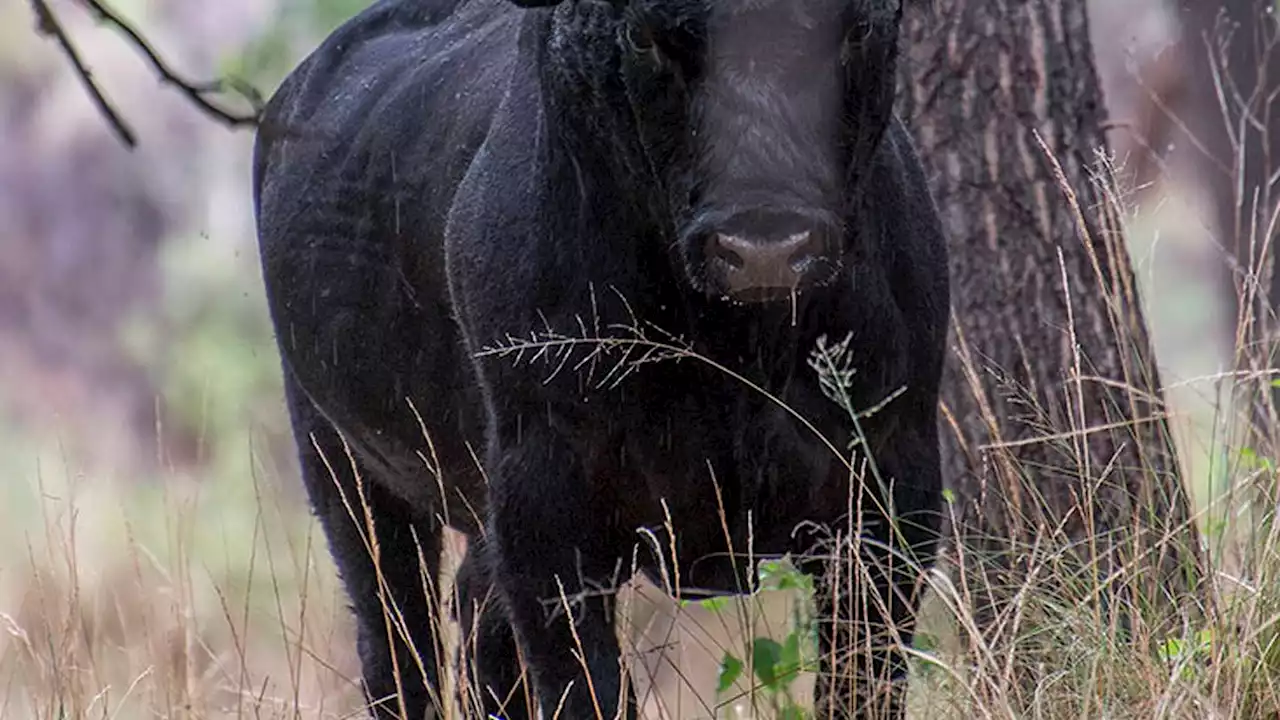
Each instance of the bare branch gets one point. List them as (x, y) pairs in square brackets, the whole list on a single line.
[(196, 92), (47, 24), (199, 93)]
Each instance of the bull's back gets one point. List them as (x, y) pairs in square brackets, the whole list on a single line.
[(402, 79), (358, 157)]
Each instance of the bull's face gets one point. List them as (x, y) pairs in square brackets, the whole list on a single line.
[(757, 117)]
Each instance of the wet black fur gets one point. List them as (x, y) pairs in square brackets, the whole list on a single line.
[(441, 176)]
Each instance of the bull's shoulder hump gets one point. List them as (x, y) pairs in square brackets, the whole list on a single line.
[(395, 67)]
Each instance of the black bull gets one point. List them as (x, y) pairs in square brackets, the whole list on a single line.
[(443, 178)]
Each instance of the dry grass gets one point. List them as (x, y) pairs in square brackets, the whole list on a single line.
[(175, 599), (179, 600)]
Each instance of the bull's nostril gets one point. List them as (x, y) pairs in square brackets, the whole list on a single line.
[(803, 247), (766, 266), (754, 258), (762, 258), (722, 247)]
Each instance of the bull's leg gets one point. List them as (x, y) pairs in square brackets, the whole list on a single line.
[(556, 567), (868, 590), (487, 644), (396, 622), (865, 613)]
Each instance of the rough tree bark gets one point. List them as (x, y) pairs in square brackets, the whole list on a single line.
[(1051, 394)]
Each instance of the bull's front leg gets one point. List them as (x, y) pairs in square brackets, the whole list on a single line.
[(869, 584), (557, 568)]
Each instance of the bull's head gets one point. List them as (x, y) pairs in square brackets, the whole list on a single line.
[(759, 119)]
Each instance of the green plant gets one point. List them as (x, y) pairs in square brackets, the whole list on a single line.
[(775, 666)]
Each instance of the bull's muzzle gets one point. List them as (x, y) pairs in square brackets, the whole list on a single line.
[(762, 256)]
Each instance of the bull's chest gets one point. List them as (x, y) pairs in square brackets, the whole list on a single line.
[(716, 477)]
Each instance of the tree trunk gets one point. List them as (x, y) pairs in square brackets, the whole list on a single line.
[(1054, 438)]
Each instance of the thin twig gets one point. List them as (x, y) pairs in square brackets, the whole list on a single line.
[(47, 24), (196, 92)]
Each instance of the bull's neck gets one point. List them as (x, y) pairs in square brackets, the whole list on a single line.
[(583, 99)]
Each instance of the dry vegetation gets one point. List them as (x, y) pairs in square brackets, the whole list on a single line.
[(209, 594)]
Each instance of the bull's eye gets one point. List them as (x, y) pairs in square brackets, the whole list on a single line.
[(639, 38), (855, 41)]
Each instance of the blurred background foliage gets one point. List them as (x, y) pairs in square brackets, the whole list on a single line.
[(144, 448), (291, 32)]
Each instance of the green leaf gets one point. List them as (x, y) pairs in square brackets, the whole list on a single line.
[(1171, 649), (788, 662), (766, 654), (730, 671), (768, 571), (1204, 637), (925, 642), (792, 712), (949, 495), (715, 604), (790, 657)]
